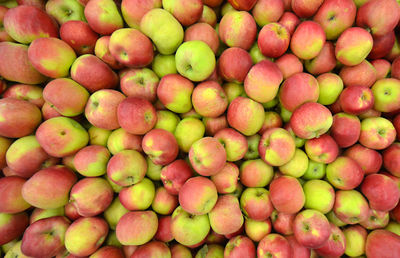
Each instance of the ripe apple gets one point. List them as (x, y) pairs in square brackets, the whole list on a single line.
[(377, 133), (240, 246), (287, 194), (103, 16), (267, 11), (319, 195), (79, 36), (226, 216), (138, 196), (63, 11), (274, 245), (255, 173), (350, 206), (186, 12), (137, 227), (307, 40), (289, 65), (356, 237)]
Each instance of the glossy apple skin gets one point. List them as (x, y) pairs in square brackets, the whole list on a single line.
[(307, 40), (273, 40), (209, 99), (382, 243), (79, 36), (161, 146), (287, 194), (230, 70)]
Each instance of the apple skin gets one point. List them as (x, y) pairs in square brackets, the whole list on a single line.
[(391, 159), (305, 9), (137, 227), (70, 104), (25, 156), (186, 125), (95, 230), (133, 11), (108, 251), (274, 245), (396, 124), (120, 140), (273, 40), (376, 219), (257, 229), (382, 68), (164, 203), (356, 100), (152, 249), (345, 129), (324, 62), (307, 40), (3, 34), (174, 175), (395, 68), (356, 237), (256, 203), (61, 136), (127, 167), (277, 147), (299, 251), (330, 87), (382, 45), (186, 12), (45, 237), (131, 48), (272, 120), (252, 122), (214, 124), (382, 243), (387, 95), (377, 133), (40, 24), (381, 191), (350, 206), (344, 173), (114, 212), (226, 216), (12, 226), (289, 65), (267, 11), (79, 36), (11, 195), (93, 74), (235, 143), (138, 196), (282, 223), (53, 62), (242, 5), (16, 66), (209, 99), (311, 228), (91, 196), (63, 11), (240, 246), (353, 46), (287, 194), (188, 229), (289, 20), (367, 16), (204, 32), (161, 146), (57, 180), (363, 74), (180, 251), (262, 81), (102, 51), (208, 16), (335, 16), (255, 173), (230, 70), (207, 156), (198, 195), (297, 90), (157, 24), (311, 120), (319, 195), (167, 120), (369, 159), (30, 93), (102, 21), (245, 31), (336, 244)]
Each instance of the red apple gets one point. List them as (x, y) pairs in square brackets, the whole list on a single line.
[(273, 40), (234, 64)]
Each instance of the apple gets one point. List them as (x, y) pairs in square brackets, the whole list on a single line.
[(353, 46), (298, 250), (114, 212), (120, 140), (351, 74), (160, 146), (272, 120), (240, 246), (53, 62), (214, 124), (30, 93), (350, 206), (336, 244), (25, 156), (382, 45), (152, 249), (393, 227), (226, 216), (164, 203), (345, 129), (215, 238), (45, 237), (127, 167), (102, 21), (133, 11), (369, 159), (235, 144), (267, 11), (180, 251), (93, 74), (324, 62), (255, 173), (319, 195), (163, 65), (274, 245), (163, 29), (63, 11), (283, 222), (297, 166), (79, 36), (209, 99), (102, 51), (356, 100), (377, 133), (108, 251), (315, 170), (61, 136), (387, 95), (207, 156), (289, 65), (174, 175), (192, 125), (391, 159), (330, 86), (287, 194), (256, 230), (382, 243), (40, 24), (3, 34), (382, 67), (12, 226), (273, 40), (16, 66), (198, 195), (289, 19), (245, 29), (189, 229), (356, 237), (311, 120), (186, 12), (307, 40), (85, 235), (167, 120), (230, 70), (244, 5), (396, 68), (256, 204), (376, 219), (344, 173), (335, 16), (204, 32)]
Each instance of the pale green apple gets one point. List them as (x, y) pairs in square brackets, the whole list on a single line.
[(138, 196), (153, 170), (38, 213), (65, 10), (15, 251), (116, 188), (164, 64), (335, 220), (285, 114), (252, 151), (297, 166), (394, 227), (271, 104), (319, 195), (315, 170), (195, 60), (232, 90), (114, 212), (330, 87), (256, 54), (188, 131), (163, 29), (167, 120), (112, 239), (227, 7), (356, 237), (98, 136), (386, 95)]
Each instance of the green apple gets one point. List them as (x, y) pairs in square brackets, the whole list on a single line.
[(315, 170), (153, 170), (163, 65), (394, 227), (386, 94), (65, 10), (98, 136), (256, 54), (195, 60), (188, 131), (297, 166), (163, 29), (335, 220), (232, 90), (167, 120), (319, 195), (114, 212), (330, 87), (356, 237), (38, 213), (252, 151), (285, 114)]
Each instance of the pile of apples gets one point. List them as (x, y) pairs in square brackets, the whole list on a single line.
[(200, 128)]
